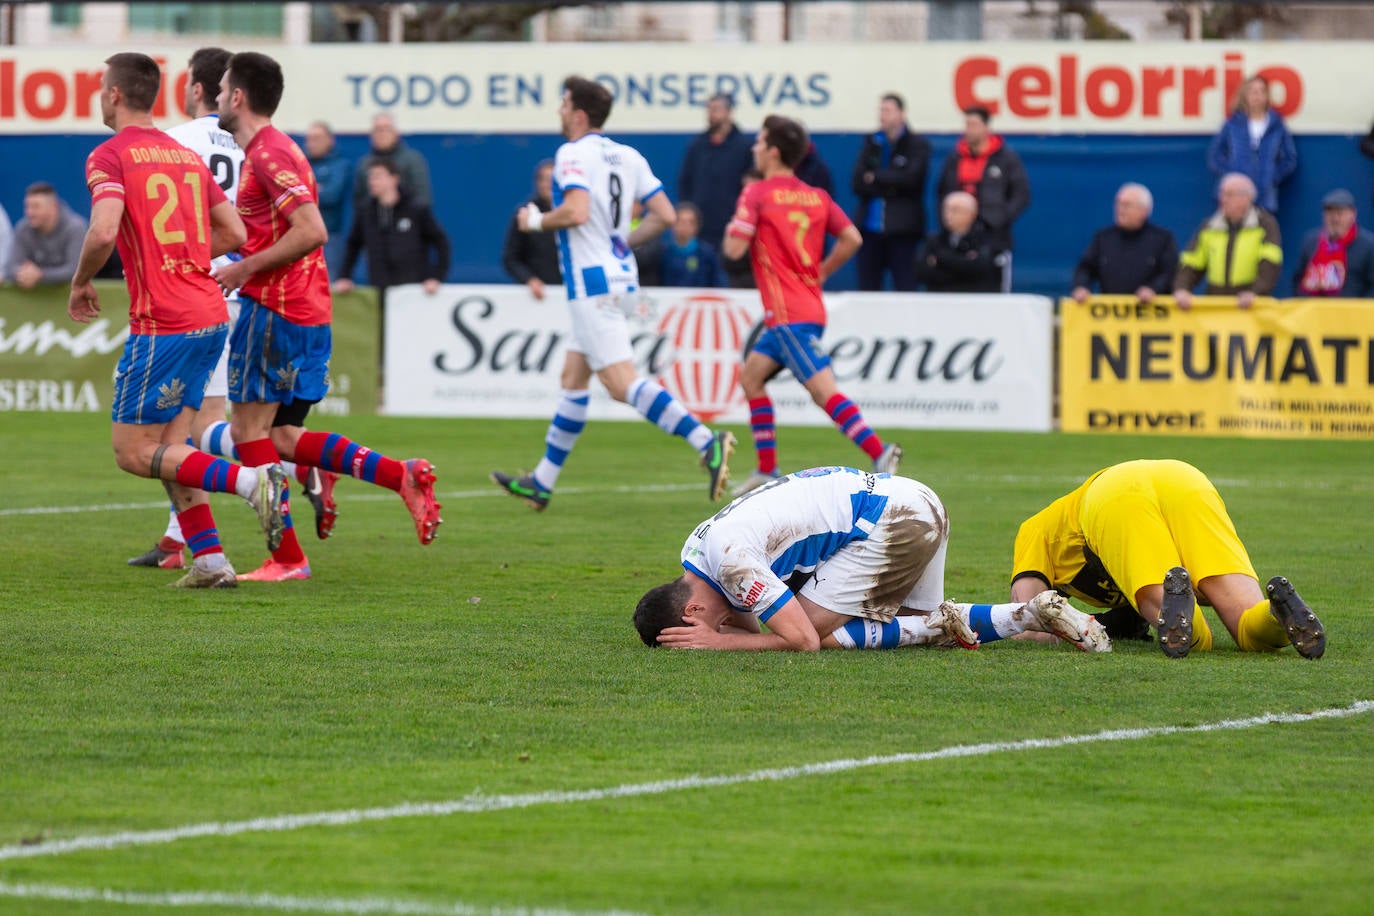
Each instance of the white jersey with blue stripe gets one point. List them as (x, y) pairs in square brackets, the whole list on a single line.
[(216, 148), (747, 550), (596, 256), (220, 153)]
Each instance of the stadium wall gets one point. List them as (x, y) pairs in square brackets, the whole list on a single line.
[(1085, 117)]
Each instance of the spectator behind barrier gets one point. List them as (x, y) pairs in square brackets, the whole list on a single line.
[(47, 242), (333, 183), (813, 170), (403, 240), (1237, 249), (687, 260), (959, 258), (1255, 142), (531, 258), (890, 181), (649, 252), (713, 166), (410, 165), (1131, 257), (1338, 258), (983, 165)]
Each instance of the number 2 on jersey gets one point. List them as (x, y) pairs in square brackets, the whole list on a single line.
[(161, 185), (803, 222), (222, 170)]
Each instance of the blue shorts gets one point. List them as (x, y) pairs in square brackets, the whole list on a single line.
[(159, 374), (796, 346), (273, 361)]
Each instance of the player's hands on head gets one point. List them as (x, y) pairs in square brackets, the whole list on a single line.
[(695, 633), (84, 303)]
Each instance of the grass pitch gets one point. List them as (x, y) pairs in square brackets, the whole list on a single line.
[(500, 662)]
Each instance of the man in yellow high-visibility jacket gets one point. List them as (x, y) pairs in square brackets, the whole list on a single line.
[(1236, 249)]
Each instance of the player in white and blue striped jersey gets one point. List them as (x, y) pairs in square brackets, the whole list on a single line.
[(873, 548), (596, 183)]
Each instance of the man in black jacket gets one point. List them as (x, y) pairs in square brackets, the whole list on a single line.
[(715, 162), (403, 240), (959, 258), (1131, 257), (983, 165), (531, 258), (890, 181)]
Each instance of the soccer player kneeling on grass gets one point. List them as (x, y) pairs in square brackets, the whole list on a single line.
[(156, 200), (1136, 537), (876, 546)]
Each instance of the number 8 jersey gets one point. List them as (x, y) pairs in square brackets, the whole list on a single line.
[(595, 256)]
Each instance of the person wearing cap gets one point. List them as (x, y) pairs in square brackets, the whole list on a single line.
[(1336, 260), (1237, 249)]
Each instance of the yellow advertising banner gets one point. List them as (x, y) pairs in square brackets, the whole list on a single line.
[(1294, 368)]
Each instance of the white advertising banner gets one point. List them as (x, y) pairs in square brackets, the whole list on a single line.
[(1031, 87), (911, 361)]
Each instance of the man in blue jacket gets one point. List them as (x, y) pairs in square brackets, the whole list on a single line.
[(333, 180), (713, 167)]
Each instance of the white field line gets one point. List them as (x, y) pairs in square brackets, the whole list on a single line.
[(1061, 480), (476, 802), (380, 496), (278, 902)]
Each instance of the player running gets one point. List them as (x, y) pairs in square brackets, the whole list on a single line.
[(596, 181), (782, 222), (156, 201), (209, 429), (279, 354), (873, 546)]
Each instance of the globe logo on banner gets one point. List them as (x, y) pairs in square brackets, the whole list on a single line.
[(707, 335)]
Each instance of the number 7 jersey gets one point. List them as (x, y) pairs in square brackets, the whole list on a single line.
[(786, 222), (595, 256)]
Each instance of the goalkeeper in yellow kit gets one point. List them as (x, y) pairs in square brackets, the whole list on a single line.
[(1139, 535)]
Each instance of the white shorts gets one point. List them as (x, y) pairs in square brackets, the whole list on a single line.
[(600, 331), (218, 386), (901, 564)]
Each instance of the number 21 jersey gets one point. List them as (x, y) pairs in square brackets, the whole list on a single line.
[(595, 256)]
